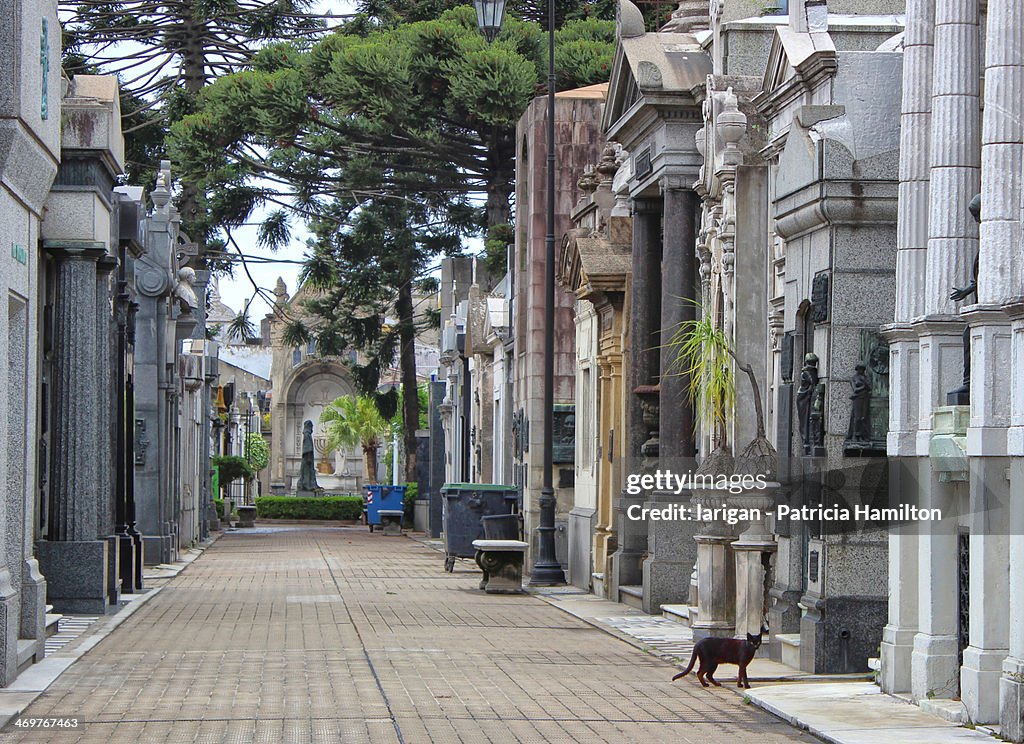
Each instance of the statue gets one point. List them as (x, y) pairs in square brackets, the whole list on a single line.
[(805, 398), (962, 395), (307, 473), (860, 415), (184, 294)]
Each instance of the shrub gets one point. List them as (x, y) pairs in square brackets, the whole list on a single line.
[(232, 467), (317, 507), (409, 503)]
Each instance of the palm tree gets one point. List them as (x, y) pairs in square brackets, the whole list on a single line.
[(355, 421)]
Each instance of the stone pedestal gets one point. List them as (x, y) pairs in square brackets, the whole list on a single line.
[(246, 516), (671, 553), (753, 554), (9, 628), (76, 572), (716, 571), (391, 522), (113, 569), (502, 564), (130, 558), (626, 561)]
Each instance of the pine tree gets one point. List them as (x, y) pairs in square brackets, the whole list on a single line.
[(382, 141)]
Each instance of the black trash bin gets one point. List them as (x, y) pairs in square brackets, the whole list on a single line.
[(465, 505)]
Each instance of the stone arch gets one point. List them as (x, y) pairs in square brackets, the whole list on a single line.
[(307, 390)]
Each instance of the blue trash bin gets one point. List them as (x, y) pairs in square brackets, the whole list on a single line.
[(379, 497)]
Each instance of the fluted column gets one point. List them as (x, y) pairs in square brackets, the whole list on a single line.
[(955, 152), (911, 269), (74, 513), (915, 139), (1001, 149)]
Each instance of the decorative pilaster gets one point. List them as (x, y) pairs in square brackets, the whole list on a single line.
[(105, 507)]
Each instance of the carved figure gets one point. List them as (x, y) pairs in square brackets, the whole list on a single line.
[(962, 395), (307, 473), (860, 415), (183, 292), (805, 398)]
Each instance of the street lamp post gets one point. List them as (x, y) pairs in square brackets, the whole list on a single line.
[(547, 571)]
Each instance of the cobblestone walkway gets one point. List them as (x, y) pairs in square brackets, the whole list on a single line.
[(313, 635)]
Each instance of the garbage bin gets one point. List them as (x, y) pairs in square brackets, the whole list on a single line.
[(465, 505), (378, 497)]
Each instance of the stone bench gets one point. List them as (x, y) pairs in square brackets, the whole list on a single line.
[(246, 516), (391, 521), (502, 564)]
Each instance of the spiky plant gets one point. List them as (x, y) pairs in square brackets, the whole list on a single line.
[(704, 355)]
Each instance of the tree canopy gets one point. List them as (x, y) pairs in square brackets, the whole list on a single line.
[(383, 140)]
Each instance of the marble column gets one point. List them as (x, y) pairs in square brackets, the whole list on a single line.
[(915, 162), (678, 293), (105, 267), (1001, 152), (72, 558), (955, 152), (644, 312), (645, 321)]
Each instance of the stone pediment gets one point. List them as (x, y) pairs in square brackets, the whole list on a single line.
[(592, 264), (797, 55), (653, 65)]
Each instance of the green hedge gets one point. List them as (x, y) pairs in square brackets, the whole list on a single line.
[(301, 507)]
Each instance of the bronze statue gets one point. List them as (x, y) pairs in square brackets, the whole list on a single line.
[(307, 473), (805, 398), (860, 416), (962, 395)]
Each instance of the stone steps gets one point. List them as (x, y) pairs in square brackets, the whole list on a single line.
[(789, 646), (632, 596), (52, 622), (679, 613)]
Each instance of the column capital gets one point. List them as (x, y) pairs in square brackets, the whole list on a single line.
[(647, 205), (106, 264), (80, 250)]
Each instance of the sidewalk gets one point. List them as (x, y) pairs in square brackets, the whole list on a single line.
[(77, 634), (326, 634), (841, 709)]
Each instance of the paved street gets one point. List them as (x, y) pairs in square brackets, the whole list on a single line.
[(336, 635)]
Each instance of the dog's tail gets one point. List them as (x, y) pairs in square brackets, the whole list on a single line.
[(693, 660)]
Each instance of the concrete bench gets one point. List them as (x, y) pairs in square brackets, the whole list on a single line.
[(391, 521), (246, 516), (502, 564)]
